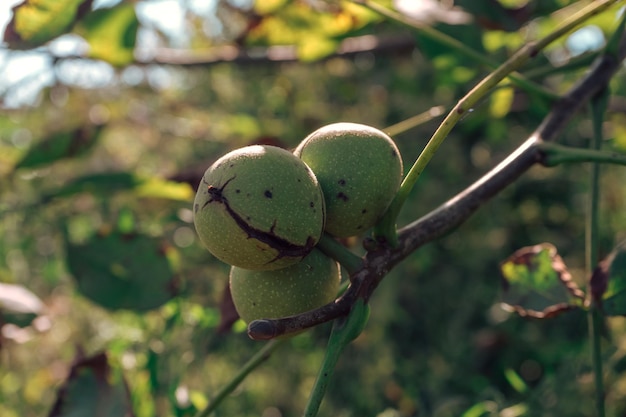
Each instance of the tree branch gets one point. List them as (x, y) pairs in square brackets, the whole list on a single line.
[(274, 54), (378, 262), (458, 209)]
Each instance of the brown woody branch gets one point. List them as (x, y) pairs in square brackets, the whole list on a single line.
[(348, 47), (448, 216), (239, 55)]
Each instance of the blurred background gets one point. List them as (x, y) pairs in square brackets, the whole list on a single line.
[(110, 113)]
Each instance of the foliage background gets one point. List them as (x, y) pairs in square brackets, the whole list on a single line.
[(437, 342)]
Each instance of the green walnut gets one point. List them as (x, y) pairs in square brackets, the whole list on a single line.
[(259, 207), (311, 283), (359, 169)]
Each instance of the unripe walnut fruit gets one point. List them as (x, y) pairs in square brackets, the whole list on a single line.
[(309, 284), (359, 169), (259, 207)]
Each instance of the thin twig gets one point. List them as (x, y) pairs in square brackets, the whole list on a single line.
[(261, 356), (274, 54), (386, 227), (457, 45), (598, 108)]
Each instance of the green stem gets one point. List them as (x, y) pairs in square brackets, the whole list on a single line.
[(599, 104), (331, 357), (613, 44), (414, 121), (581, 61), (555, 154), (595, 319), (387, 226), (260, 357), (331, 247), (458, 46), (345, 330)]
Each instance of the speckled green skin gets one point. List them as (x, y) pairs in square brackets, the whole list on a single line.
[(259, 207), (311, 283), (359, 169)]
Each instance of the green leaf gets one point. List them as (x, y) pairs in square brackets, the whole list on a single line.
[(531, 268), (515, 380), (608, 282), (98, 184), (93, 388), (344, 331), (122, 271), (471, 37), (496, 15), (111, 33), (316, 33), (314, 48), (613, 44), (537, 283), (263, 7), (109, 183), (61, 145), (36, 22), (18, 305), (169, 190), (500, 102)]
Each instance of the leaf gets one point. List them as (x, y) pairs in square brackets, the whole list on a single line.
[(263, 7), (111, 34), (106, 184), (99, 184), (36, 22), (535, 278), (93, 388), (471, 37), (500, 102), (608, 282), (314, 48), (494, 15), (18, 305), (316, 32), (169, 190), (122, 271), (61, 145)]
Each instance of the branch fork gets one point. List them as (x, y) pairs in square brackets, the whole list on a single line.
[(378, 262)]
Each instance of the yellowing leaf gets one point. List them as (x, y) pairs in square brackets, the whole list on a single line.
[(619, 132), (315, 31), (316, 48), (111, 34), (198, 399), (36, 22), (500, 103), (493, 40), (462, 74), (361, 15), (157, 188), (537, 283), (264, 7)]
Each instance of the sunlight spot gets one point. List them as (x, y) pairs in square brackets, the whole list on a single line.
[(21, 138), (167, 16), (586, 39), (184, 237), (132, 75)]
